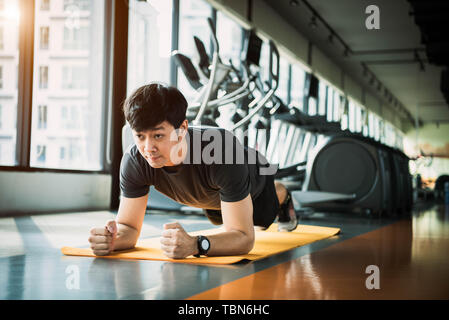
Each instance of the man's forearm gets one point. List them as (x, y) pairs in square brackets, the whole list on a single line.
[(230, 243), (126, 237)]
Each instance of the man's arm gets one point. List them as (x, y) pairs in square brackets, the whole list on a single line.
[(238, 223), (129, 220), (123, 232), (237, 239)]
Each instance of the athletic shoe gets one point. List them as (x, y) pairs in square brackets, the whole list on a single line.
[(287, 220)]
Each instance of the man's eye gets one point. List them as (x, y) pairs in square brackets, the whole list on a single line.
[(158, 136)]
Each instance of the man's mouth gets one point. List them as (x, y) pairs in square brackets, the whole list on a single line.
[(152, 158)]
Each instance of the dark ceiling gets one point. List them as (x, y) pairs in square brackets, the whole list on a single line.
[(404, 56)]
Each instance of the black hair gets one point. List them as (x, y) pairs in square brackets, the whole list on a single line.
[(154, 103)]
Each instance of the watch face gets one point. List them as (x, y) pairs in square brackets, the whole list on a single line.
[(205, 244)]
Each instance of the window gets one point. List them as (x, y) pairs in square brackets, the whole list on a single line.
[(1, 38), (351, 116), (9, 35), (330, 104), (45, 5), (149, 42), (193, 16), (338, 106), (283, 91), (357, 118), (62, 153), (229, 35), (322, 92), (297, 86), (43, 77), (44, 37), (42, 118), (72, 79), (41, 153), (74, 5), (75, 38)]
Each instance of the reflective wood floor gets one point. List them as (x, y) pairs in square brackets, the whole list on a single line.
[(411, 256)]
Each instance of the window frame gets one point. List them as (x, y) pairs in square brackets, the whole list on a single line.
[(26, 43)]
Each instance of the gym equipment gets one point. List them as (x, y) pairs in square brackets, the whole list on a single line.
[(342, 162)]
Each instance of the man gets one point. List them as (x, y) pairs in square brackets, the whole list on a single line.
[(231, 183)]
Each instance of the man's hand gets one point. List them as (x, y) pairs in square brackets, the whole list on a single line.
[(102, 239), (176, 243)]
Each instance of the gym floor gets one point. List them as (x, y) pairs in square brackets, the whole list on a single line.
[(411, 255)]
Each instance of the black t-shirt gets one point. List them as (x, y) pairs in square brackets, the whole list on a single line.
[(205, 177)]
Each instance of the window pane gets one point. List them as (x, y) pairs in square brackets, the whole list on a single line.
[(330, 104), (338, 106), (322, 98), (351, 116), (9, 60), (149, 42), (68, 86), (283, 90), (297, 86), (192, 22), (229, 35)]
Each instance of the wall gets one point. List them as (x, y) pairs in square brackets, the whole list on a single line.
[(32, 192)]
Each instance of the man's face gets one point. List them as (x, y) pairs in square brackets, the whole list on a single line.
[(158, 145)]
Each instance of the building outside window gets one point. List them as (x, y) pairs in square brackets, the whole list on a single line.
[(44, 37), (75, 38), (42, 118), (41, 152), (193, 16), (83, 5), (9, 59), (149, 42), (229, 36), (45, 5), (43, 77), (2, 38), (75, 79)]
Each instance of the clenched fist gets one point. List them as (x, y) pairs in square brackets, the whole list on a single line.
[(176, 243), (102, 239)]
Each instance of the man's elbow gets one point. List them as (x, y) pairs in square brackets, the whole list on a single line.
[(249, 244)]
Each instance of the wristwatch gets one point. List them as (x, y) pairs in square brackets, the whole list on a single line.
[(203, 246)]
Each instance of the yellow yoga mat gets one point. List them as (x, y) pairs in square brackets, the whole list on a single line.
[(267, 243)]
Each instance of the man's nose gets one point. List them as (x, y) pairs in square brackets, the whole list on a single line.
[(149, 146)]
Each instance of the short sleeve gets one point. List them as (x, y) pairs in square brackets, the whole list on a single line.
[(132, 183)]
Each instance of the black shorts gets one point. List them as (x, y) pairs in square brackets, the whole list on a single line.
[(265, 206)]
